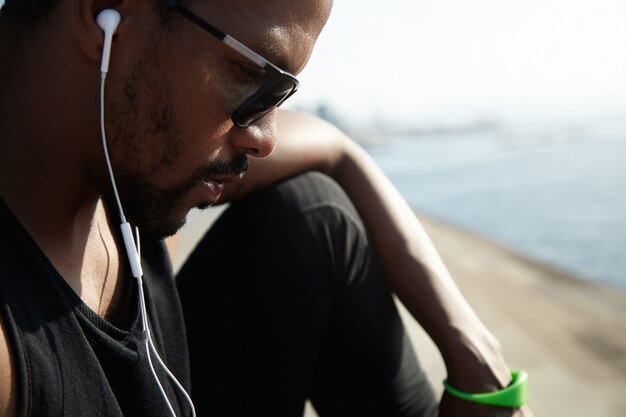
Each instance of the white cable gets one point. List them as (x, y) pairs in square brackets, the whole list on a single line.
[(133, 250), (149, 341), (105, 147), (172, 377)]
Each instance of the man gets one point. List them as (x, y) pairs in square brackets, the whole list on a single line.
[(71, 340)]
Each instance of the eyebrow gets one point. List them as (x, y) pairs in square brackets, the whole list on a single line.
[(222, 36), (268, 47)]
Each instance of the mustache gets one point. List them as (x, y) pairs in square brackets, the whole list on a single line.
[(236, 166)]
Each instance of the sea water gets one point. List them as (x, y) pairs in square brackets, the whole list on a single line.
[(555, 193)]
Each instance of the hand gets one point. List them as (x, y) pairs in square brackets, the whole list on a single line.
[(451, 406), (476, 365)]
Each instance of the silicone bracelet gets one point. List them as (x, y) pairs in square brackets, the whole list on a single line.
[(513, 396)]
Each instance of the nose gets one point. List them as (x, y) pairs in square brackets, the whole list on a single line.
[(258, 139)]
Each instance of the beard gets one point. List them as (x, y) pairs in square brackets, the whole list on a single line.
[(146, 140), (156, 211)]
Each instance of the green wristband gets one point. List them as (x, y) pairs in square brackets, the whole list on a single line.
[(513, 396)]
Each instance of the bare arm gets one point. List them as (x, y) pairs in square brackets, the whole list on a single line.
[(417, 275), (8, 383)]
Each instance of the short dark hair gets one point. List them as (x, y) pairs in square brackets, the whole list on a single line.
[(27, 13), (22, 15)]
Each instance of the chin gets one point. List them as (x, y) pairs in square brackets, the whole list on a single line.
[(162, 229), (158, 224), (156, 212)]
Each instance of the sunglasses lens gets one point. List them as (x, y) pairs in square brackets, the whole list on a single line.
[(272, 97)]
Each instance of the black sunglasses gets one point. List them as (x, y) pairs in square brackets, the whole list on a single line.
[(276, 88)]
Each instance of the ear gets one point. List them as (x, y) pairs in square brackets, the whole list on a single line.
[(87, 33)]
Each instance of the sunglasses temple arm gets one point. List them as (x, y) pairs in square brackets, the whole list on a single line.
[(225, 38), (245, 51)]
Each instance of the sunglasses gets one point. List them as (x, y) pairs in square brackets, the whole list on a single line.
[(277, 86)]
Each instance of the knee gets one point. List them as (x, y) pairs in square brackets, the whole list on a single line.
[(300, 194), (311, 204), (305, 216)]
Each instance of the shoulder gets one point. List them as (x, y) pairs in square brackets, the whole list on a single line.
[(8, 372), (8, 383)]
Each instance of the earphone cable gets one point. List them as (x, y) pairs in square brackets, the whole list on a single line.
[(150, 343), (147, 342), (105, 148), (134, 254)]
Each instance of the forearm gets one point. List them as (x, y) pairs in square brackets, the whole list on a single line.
[(414, 269), (412, 265)]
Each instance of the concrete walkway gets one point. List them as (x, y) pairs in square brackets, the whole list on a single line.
[(569, 334)]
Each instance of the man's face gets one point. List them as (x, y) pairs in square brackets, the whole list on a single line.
[(171, 139)]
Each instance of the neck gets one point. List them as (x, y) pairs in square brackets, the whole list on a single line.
[(46, 187)]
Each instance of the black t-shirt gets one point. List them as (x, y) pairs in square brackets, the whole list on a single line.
[(72, 362)]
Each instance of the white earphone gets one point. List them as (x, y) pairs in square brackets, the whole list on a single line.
[(108, 20)]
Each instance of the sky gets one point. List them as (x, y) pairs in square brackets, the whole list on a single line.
[(450, 60), (456, 59)]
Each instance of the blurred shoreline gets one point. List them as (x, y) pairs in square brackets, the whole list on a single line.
[(567, 332), (555, 195)]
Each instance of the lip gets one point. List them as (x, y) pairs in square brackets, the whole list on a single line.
[(215, 189), (215, 186)]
